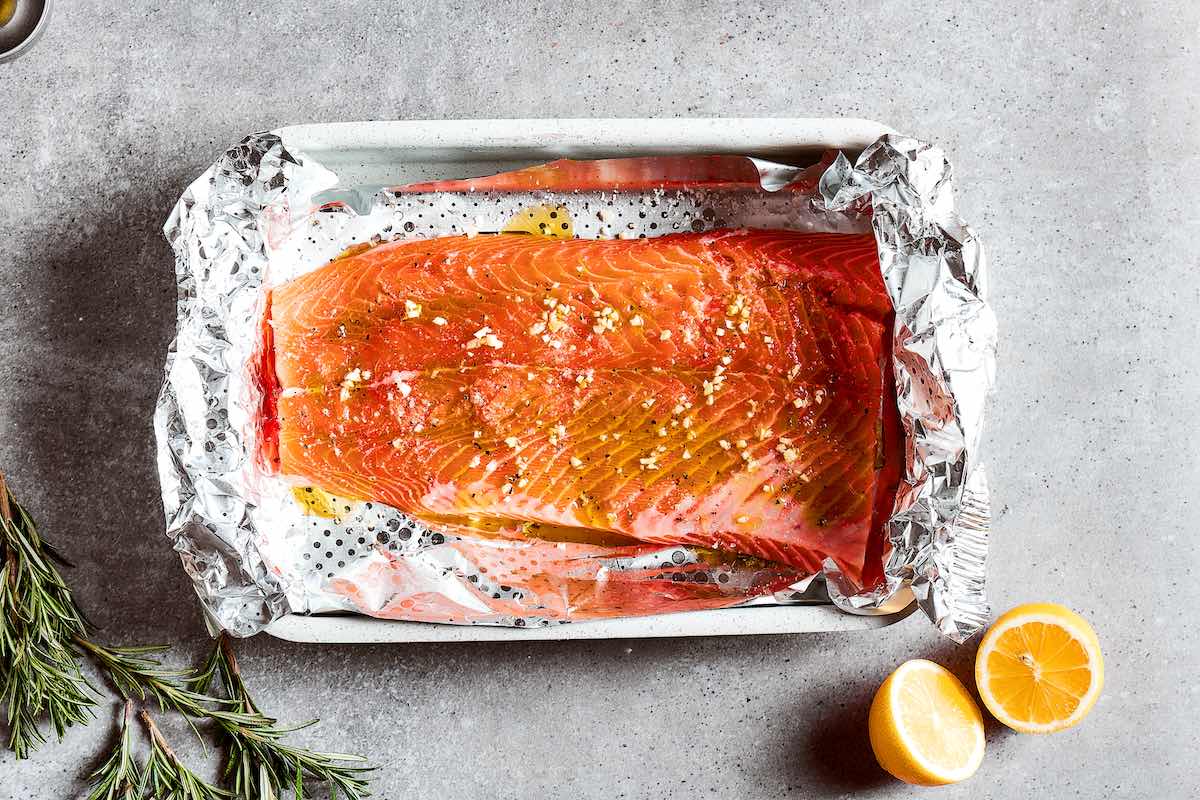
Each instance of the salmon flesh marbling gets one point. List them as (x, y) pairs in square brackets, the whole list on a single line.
[(729, 391)]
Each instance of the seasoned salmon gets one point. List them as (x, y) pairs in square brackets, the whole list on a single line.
[(729, 391)]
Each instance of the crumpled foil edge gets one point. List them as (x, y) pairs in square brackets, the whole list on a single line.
[(944, 359), (933, 266), (217, 241)]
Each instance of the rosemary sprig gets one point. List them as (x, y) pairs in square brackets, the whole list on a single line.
[(166, 777), (119, 776), (39, 671), (261, 764), (136, 673), (43, 634)]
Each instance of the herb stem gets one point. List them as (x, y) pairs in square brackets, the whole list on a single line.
[(166, 775), (43, 638), (5, 510), (6, 518), (156, 734)]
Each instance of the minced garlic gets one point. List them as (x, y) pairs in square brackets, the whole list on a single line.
[(352, 379), (484, 336), (785, 449), (606, 320)]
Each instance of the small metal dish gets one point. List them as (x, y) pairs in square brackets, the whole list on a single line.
[(23, 29)]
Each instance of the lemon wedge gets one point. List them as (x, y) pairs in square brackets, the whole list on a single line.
[(544, 220), (925, 727), (1039, 668)]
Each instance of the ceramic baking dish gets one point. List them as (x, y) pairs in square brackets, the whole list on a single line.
[(367, 156)]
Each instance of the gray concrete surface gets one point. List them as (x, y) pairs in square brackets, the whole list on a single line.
[(1074, 127)]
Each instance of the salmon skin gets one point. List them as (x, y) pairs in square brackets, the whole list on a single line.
[(729, 391), (529, 580)]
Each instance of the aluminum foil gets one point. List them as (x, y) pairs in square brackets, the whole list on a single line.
[(265, 213), (944, 351)]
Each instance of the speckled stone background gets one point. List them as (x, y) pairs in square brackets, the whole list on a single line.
[(1074, 128)]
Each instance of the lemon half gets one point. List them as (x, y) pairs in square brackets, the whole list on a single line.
[(1039, 668), (925, 727)]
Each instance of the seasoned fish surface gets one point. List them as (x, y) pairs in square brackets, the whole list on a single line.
[(729, 391)]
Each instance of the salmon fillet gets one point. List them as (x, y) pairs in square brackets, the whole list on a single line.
[(526, 577), (728, 390)]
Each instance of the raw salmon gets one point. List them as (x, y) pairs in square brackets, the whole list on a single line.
[(526, 578), (646, 173), (728, 390)]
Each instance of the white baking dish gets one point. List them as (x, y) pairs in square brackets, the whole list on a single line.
[(369, 155)]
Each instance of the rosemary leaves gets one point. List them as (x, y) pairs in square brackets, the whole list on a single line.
[(43, 638)]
